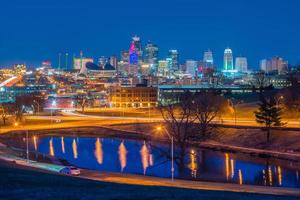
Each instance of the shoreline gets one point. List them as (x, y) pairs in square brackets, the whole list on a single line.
[(111, 132)]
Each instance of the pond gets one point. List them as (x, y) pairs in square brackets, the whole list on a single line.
[(144, 158)]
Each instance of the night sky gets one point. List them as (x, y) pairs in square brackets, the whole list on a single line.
[(36, 30)]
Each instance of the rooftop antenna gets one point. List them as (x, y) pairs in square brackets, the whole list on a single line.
[(81, 57), (67, 54), (59, 57)]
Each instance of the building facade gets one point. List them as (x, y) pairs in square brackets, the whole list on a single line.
[(133, 97)]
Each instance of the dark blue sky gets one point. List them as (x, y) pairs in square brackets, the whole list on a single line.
[(34, 30)]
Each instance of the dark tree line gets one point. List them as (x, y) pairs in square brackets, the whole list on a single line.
[(16, 109)]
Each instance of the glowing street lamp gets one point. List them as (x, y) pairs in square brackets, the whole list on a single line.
[(160, 129)]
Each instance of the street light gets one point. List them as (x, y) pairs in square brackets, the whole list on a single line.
[(159, 128), (27, 142)]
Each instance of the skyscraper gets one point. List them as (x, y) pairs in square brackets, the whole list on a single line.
[(191, 67), (151, 53), (208, 57), (174, 55), (228, 60), (276, 64), (135, 51), (241, 64), (113, 60)]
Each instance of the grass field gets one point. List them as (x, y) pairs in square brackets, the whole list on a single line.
[(17, 183)]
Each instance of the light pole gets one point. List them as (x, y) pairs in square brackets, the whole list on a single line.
[(172, 148), (27, 142)]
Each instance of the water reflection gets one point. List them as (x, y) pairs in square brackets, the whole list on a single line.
[(279, 175), (193, 163), (122, 155), (74, 148), (51, 148), (62, 144), (98, 151), (145, 157), (35, 142), (129, 156), (240, 177)]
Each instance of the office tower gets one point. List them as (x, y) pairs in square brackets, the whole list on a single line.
[(135, 51), (163, 67), (241, 64), (133, 55), (208, 57), (125, 56), (263, 64), (276, 64), (279, 64), (191, 67), (174, 55), (151, 53), (228, 60), (113, 60)]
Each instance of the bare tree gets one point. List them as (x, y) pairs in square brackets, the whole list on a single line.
[(6, 110), (260, 81), (207, 106), (180, 119), (82, 101)]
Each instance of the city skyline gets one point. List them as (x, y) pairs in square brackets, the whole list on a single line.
[(31, 39)]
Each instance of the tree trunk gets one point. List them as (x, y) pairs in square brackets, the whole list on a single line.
[(268, 134), (4, 121)]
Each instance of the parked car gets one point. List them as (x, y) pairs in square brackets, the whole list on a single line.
[(70, 170)]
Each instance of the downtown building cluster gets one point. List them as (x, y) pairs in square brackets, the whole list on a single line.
[(138, 77)]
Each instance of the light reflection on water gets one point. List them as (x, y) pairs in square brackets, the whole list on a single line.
[(98, 151), (74, 148), (122, 155), (138, 157)]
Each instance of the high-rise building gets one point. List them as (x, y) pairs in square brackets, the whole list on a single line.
[(174, 55), (151, 53), (241, 64), (125, 56), (113, 60), (163, 67), (135, 51), (276, 64), (208, 57), (191, 67), (228, 60)]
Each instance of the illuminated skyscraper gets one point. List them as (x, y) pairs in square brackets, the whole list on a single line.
[(151, 53), (228, 60), (133, 55), (191, 67), (174, 55), (135, 51), (241, 64), (208, 57)]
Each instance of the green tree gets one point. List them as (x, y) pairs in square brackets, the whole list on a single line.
[(268, 114)]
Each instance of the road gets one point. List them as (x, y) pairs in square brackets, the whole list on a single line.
[(71, 119)]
